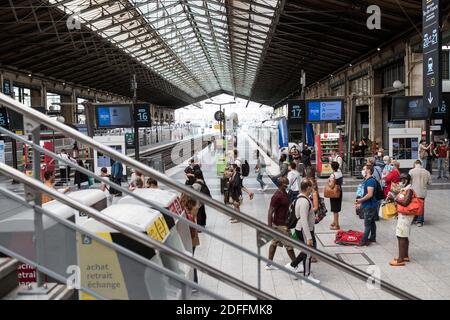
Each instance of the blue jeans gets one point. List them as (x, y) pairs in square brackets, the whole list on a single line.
[(421, 219), (441, 167), (370, 227), (260, 180), (424, 163)]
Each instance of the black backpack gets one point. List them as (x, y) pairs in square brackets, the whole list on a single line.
[(245, 169), (291, 219), (378, 192)]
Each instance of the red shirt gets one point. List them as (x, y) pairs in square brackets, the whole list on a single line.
[(442, 151), (392, 177), (280, 203)]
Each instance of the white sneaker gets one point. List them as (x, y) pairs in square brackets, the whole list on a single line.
[(265, 188), (288, 266), (299, 269), (270, 267), (311, 278), (259, 189)]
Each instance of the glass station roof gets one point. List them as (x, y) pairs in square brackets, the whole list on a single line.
[(200, 46)]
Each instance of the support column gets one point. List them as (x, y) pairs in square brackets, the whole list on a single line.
[(375, 109), (68, 111)]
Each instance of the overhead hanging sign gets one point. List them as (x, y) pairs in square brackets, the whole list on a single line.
[(324, 110), (409, 108), (296, 112), (142, 116), (2, 152), (4, 118), (432, 84)]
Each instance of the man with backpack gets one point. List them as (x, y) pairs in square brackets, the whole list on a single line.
[(369, 204), (304, 229), (116, 176), (277, 215)]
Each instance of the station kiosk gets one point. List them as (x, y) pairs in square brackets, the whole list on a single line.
[(325, 143), (404, 145)]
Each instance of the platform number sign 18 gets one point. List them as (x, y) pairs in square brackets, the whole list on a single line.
[(4, 118), (142, 115), (432, 84)]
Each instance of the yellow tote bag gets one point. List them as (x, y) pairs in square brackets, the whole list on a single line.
[(389, 210)]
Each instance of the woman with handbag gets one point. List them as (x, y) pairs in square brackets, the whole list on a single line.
[(334, 191), (408, 206)]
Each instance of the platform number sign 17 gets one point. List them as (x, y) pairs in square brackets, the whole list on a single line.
[(296, 111)]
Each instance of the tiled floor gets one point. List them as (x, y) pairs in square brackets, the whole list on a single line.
[(427, 275)]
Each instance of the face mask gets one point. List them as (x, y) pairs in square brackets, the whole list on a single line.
[(379, 154), (385, 162), (363, 173)]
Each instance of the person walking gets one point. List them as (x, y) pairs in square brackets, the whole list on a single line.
[(424, 152), (191, 206), (442, 154), (304, 230), (80, 177), (368, 203), (336, 178), (294, 180), (200, 186), (260, 169), (189, 172), (420, 180), (276, 218), (306, 156), (404, 222), (284, 169), (63, 167), (235, 190), (116, 176)]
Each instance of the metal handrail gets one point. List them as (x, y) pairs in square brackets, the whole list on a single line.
[(139, 237), (114, 246), (39, 117), (161, 209)]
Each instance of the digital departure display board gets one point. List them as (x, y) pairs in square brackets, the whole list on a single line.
[(114, 116), (409, 108), (324, 110)]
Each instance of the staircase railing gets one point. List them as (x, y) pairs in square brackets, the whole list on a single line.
[(262, 229)]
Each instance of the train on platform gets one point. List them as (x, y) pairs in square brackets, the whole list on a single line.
[(271, 136)]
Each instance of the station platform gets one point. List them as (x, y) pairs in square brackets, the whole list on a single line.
[(426, 276)]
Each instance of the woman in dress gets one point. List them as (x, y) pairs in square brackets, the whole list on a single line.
[(336, 178)]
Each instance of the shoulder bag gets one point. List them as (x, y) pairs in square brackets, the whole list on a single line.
[(332, 191)]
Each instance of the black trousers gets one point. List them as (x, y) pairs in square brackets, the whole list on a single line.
[(64, 175), (303, 257), (201, 216)]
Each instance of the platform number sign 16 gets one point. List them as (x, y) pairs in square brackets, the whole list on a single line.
[(142, 115), (3, 118)]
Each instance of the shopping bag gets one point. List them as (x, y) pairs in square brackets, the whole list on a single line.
[(294, 235), (388, 211)]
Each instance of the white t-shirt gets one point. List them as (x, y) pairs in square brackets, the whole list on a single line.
[(294, 180), (65, 156)]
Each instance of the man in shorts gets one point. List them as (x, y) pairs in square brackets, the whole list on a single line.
[(276, 218)]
